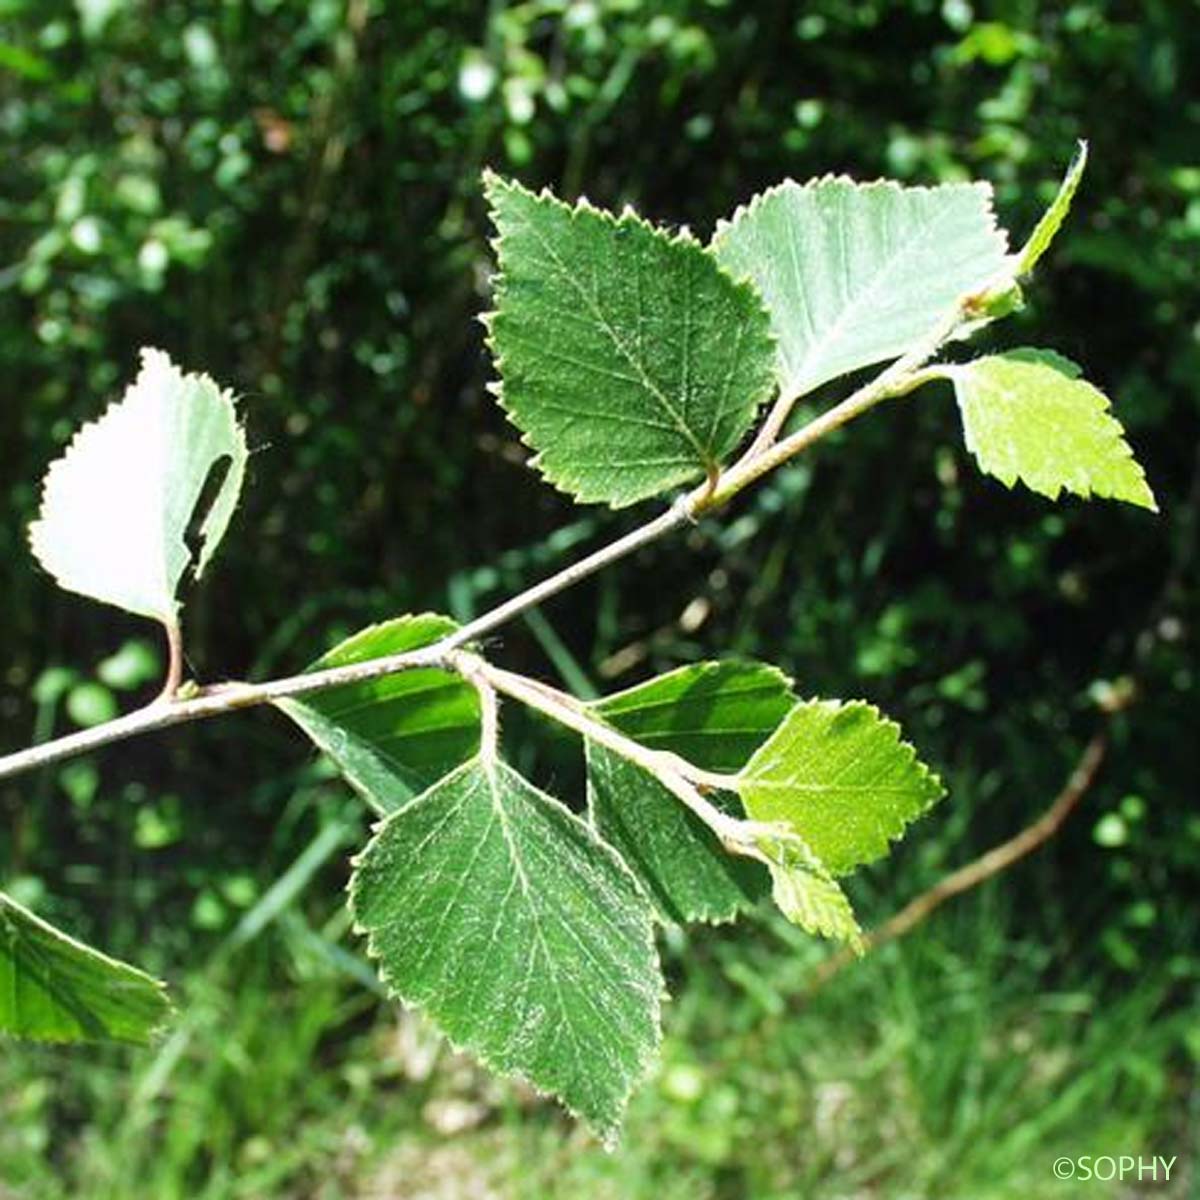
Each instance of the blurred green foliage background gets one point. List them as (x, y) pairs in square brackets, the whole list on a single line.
[(286, 195)]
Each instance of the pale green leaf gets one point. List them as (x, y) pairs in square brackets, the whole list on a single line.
[(55, 989), (116, 506), (1027, 415), (854, 274), (395, 735), (629, 360), (840, 777), (525, 938), (807, 894), (1046, 229), (715, 715), (1005, 295)]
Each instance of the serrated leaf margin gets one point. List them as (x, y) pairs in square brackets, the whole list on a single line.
[(628, 217), (646, 1060), (924, 773), (159, 986)]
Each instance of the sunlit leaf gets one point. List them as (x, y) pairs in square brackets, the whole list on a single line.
[(1046, 229), (840, 777), (854, 274), (807, 894), (117, 505), (1027, 415)]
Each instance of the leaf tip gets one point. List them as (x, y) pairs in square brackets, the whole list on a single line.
[(1143, 497), (1052, 219)]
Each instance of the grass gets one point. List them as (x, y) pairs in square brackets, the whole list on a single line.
[(952, 1065)]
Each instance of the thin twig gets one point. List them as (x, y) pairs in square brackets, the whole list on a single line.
[(680, 513), (662, 759), (213, 701), (751, 468), (901, 377), (998, 859), (738, 836)]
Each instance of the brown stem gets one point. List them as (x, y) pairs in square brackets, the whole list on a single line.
[(998, 859), (174, 676), (171, 709)]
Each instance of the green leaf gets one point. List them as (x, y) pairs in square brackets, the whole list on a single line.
[(55, 989), (715, 715), (854, 274), (1046, 229), (117, 505), (1027, 415), (630, 361), (492, 907), (392, 736), (841, 778), (807, 894)]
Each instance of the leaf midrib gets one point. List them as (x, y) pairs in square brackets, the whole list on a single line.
[(530, 900), (854, 301), (623, 351)]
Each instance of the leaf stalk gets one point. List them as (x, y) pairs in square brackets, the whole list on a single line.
[(173, 708)]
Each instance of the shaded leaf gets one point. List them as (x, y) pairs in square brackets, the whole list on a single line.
[(55, 989), (841, 778), (392, 736), (1027, 415), (117, 505), (854, 274), (629, 360), (715, 715), (497, 911)]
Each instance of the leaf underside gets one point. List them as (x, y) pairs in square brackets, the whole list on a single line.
[(392, 736), (117, 505), (55, 989), (854, 274), (715, 715), (492, 907), (839, 775), (629, 360), (1028, 416)]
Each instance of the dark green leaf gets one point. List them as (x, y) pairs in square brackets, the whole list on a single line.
[(629, 360), (55, 989), (715, 715), (492, 907), (392, 736)]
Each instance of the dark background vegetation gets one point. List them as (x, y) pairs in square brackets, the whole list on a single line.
[(287, 196)]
